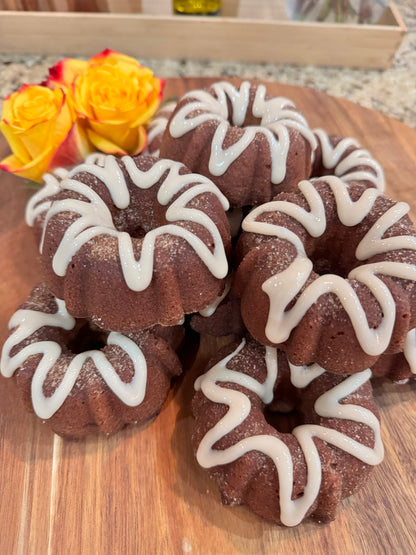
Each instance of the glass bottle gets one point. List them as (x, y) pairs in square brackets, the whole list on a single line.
[(197, 7)]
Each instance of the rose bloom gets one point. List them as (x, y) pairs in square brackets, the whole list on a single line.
[(114, 95), (38, 124)]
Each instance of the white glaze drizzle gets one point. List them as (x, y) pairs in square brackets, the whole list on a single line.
[(409, 350), (276, 118), (345, 169), (158, 125), (26, 322), (327, 405), (97, 158), (210, 310), (39, 202), (284, 286), (95, 217)]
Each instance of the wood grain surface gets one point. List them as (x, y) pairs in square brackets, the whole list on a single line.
[(141, 491), (153, 33)]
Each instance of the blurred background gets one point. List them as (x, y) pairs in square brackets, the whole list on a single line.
[(389, 90)]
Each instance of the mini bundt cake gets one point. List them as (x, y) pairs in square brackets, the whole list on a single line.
[(398, 367), (81, 379), (344, 157), (157, 126), (282, 474), (134, 242), (328, 274), (251, 145)]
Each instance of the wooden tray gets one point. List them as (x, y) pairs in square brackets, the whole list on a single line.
[(141, 491), (153, 32)]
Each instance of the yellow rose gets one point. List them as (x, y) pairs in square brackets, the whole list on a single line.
[(38, 124), (114, 95)]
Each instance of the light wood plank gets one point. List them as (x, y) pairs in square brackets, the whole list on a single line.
[(224, 38)]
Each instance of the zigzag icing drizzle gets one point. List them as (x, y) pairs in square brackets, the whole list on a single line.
[(327, 405), (276, 116), (346, 168), (28, 322), (284, 286), (95, 217), (40, 202)]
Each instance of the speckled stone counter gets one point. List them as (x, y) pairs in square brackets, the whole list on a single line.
[(391, 91)]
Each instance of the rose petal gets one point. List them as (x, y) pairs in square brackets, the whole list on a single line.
[(141, 142), (73, 150), (103, 144), (16, 145), (64, 72), (113, 55), (52, 131), (30, 105), (109, 147), (33, 170), (120, 135), (152, 105)]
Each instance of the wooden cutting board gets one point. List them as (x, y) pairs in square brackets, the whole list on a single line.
[(140, 491)]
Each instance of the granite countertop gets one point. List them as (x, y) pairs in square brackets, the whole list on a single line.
[(391, 91)]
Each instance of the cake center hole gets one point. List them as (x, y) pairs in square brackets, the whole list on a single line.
[(136, 233), (331, 262), (85, 337), (128, 225), (283, 418)]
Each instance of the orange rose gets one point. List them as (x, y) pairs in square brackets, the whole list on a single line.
[(114, 95), (38, 124)]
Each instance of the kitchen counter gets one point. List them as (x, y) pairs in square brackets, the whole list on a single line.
[(391, 92)]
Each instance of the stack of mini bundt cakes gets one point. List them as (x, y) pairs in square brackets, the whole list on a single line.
[(321, 287), (128, 247), (282, 239)]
